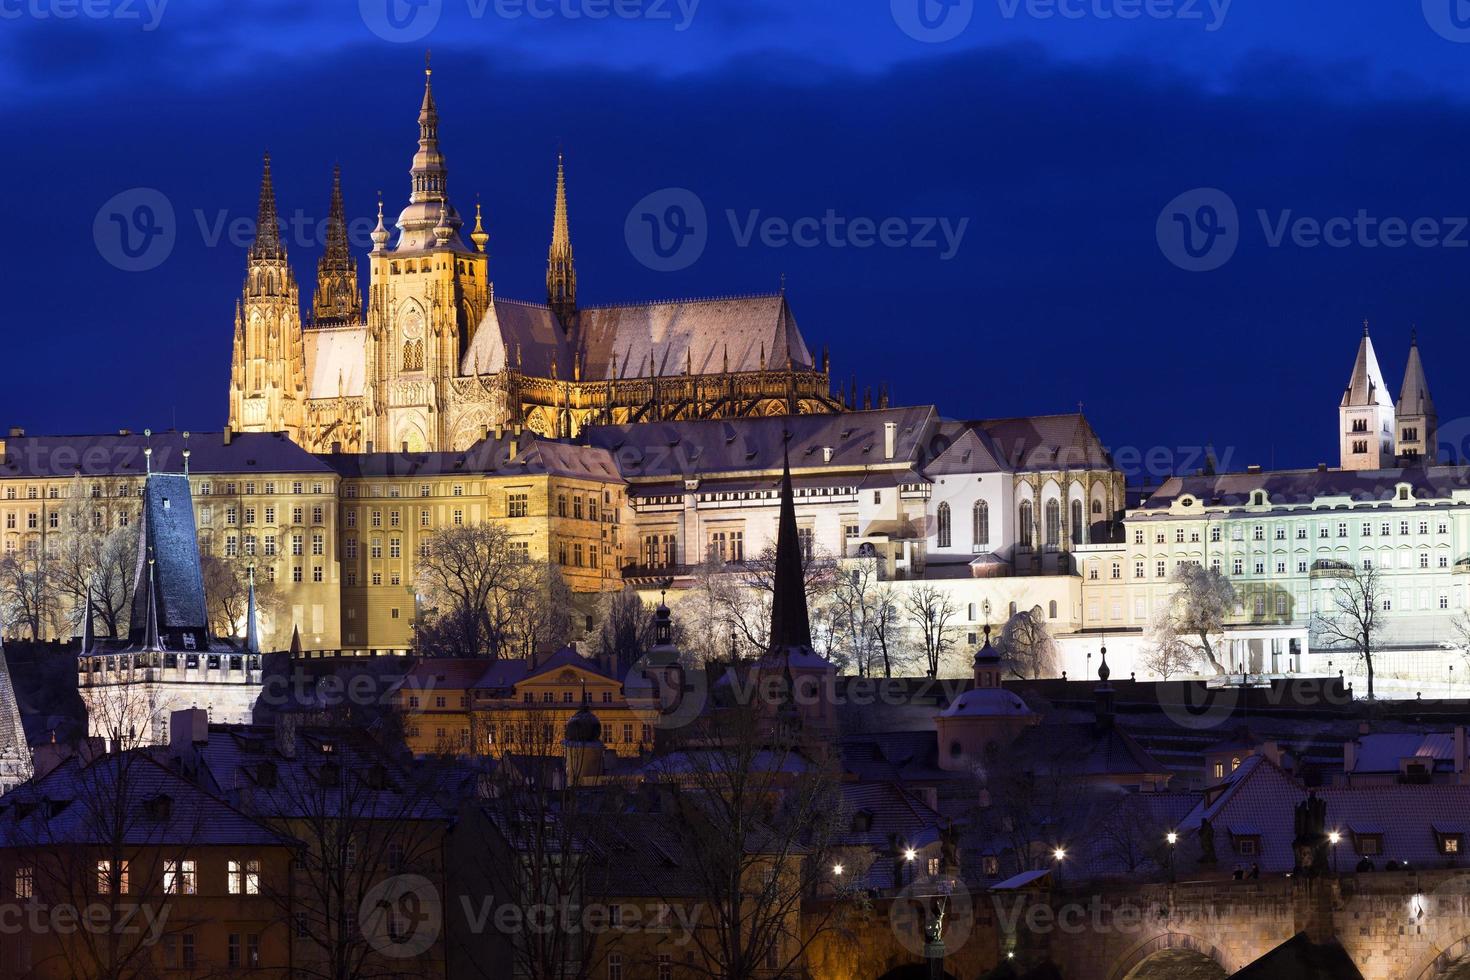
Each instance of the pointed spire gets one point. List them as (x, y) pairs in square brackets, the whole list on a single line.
[(380, 233), (88, 631), (790, 625), (561, 270), (1414, 394), (151, 642), (267, 244), (295, 642), (429, 174), (479, 236), (337, 301), (1366, 386), (443, 230), (252, 626)]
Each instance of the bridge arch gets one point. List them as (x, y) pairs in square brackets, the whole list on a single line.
[(1162, 943), (1452, 963)]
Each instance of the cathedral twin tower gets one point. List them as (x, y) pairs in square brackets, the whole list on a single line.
[(437, 361)]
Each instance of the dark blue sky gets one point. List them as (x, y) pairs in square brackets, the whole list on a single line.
[(1055, 132)]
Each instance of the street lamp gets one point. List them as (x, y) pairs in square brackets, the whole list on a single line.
[(909, 854), (1172, 838), (1332, 839), (837, 870)]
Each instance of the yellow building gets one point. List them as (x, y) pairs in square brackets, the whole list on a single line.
[(333, 540), (518, 706)]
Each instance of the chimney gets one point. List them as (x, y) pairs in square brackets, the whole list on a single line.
[(336, 447), (229, 436), (890, 439), (188, 728), (826, 454), (1253, 468), (1460, 775), (1321, 467), (1349, 759), (16, 432), (48, 756)]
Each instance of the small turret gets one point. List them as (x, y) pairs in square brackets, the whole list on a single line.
[(479, 236)]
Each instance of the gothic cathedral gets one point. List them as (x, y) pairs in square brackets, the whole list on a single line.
[(438, 360)]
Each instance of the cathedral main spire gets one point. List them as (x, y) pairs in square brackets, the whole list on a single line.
[(561, 271), (428, 201), (337, 301), (267, 244), (790, 622)]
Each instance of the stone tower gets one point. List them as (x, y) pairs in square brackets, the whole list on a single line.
[(561, 273), (337, 302), (1417, 424), (268, 370), (428, 293), (1365, 416)]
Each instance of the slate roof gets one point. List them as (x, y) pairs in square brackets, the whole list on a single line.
[(122, 455), (1305, 486), (1047, 442), (490, 456), (12, 731), (1381, 753), (168, 536), (1365, 386), (1414, 394), (1261, 799), (754, 445), (70, 804)]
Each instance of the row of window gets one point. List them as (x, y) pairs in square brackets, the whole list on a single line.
[(234, 514), (1325, 529), (231, 488), (979, 524), (180, 877)]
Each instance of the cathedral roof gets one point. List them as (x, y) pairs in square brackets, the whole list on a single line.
[(515, 333), (618, 341), (1046, 442), (1366, 386)]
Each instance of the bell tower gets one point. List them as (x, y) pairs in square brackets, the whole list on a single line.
[(427, 294), (268, 368)]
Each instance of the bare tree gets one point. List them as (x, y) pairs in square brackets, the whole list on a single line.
[(865, 615), (1194, 618), (1357, 599), (96, 553), (703, 613), (1166, 655), (747, 603), (29, 598), (753, 819), (476, 585), (227, 592), (931, 612), (626, 631), (1027, 645)]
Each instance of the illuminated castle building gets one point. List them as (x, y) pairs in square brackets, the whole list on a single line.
[(437, 360)]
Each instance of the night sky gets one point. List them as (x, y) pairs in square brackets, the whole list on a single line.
[(1051, 133)]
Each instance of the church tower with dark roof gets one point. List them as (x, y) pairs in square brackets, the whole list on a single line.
[(337, 302), (1417, 423)]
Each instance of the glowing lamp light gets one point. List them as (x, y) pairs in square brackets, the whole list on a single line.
[(910, 854), (1059, 853), (1334, 837), (1173, 838), (837, 869)]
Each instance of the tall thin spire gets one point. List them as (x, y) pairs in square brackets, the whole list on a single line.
[(561, 271), (267, 244), (151, 641), (428, 171), (252, 627), (338, 301), (790, 624)]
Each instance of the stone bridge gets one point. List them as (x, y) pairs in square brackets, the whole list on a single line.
[(1393, 925)]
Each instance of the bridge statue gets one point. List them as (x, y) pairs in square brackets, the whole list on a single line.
[(1310, 845)]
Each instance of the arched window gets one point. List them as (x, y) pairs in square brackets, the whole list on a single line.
[(413, 355), (1051, 610), (1053, 523), (1076, 522), (982, 523), (944, 526), (1028, 535), (1097, 508)]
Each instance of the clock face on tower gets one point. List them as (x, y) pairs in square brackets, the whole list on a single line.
[(413, 341)]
